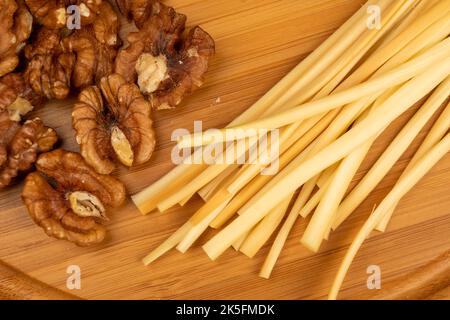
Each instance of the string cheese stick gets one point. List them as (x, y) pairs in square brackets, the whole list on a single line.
[(403, 186), (207, 193), (248, 172), (168, 244), (308, 188), (346, 62), (187, 234), (333, 75), (358, 76), (350, 165), (320, 224), (328, 58), (347, 31), (238, 243), (435, 33), (347, 27), (262, 232), (405, 23), (286, 157), (327, 175), (438, 130), (393, 152), (342, 122), (300, 201), (357, 51), (280, 240), (254, 186), (314, 201), (290, 178), (199, 228), (378, 84), (147, 200), (440, 10), (327, 234), (278, 244)]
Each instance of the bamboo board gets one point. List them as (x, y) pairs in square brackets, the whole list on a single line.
[(258, 41)]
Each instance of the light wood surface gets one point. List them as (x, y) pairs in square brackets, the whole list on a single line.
[(258, 41)]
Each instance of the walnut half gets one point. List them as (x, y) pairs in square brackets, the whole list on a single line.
[(167, 64), (49, 68), (113, 122), (138, 11), (21, 144), (16, 94), (15, 29), (67, 198), (53, 13), (94, 47)]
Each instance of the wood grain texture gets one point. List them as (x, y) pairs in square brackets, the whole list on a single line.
[(258, 41), (14, 285), (427, 281)]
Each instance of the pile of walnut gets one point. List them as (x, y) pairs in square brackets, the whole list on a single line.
[(20, 143), (51, 49)]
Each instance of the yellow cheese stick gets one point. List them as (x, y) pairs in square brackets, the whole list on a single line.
[(349, 112), (393, 152), (320, 225), (262, 232), (438, 11), (378, 84), (147, 199), (438, 130), (168, 244), (306, 110), (403, 186), (238, 243), (418, 10), (349, 166), (314, 200), (356, 52), (207, 193), (329, 79), (291, 177), (200, 227), (257, 183), (213, 171), (278, 244)]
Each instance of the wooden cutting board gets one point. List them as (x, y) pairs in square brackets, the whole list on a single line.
[(258, 41)]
